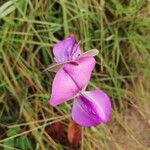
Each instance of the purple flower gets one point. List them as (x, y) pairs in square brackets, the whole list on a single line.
[(70, 80), (90, 108), (67, 51)]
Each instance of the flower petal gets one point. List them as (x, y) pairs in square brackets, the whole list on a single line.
[(63, 49), (81, 73), (91, 108), (76, 51), (55, 67), (71, 79), (63, 88), (92, 52)]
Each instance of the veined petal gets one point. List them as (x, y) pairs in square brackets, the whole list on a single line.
[(63, 49), (63, 88), (81, 73), (101, 103), (82, 112), (91, 108), (76, 51)]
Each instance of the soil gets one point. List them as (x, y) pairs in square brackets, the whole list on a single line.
[(135, 135)]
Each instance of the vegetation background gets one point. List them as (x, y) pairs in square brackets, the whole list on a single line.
[(119, 29)]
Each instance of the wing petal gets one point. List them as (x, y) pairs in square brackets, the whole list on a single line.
[(63, 88), (91, 108), (81, 73)]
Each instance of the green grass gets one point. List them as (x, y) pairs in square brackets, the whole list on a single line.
[(119, 29)]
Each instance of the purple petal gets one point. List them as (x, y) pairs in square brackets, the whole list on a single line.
[(81, 73), (91, 108), (64, 50), (71, 79), (63, 88), (76, 51)]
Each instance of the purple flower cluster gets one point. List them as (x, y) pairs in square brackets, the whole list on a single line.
[(73, 72)]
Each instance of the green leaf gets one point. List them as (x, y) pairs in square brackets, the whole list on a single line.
[(23, 143), (20, 142), (11, 142)]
